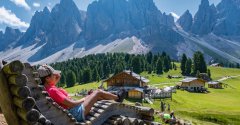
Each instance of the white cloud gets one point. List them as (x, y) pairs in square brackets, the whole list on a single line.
[(36, 4), (9, 18), (21, 3), (175, 16)]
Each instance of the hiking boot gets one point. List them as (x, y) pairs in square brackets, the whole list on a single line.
[(122, 94)]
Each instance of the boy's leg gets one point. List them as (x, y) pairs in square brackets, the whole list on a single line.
[(107, 95), (96, 96)]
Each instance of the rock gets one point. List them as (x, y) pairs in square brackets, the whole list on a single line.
[(205, 18), (185, 21), (11, 36), (59, 28), (106, 17), (228, 18)]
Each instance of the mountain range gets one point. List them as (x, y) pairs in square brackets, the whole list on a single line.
[(132, 26)]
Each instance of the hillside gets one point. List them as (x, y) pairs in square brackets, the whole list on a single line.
[(217, 107)]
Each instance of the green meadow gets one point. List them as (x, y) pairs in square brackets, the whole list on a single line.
[(219, 106)]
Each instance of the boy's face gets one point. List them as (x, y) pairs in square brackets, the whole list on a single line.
[(53, 79)]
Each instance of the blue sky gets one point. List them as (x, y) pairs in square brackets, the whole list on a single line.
[(18, 13)]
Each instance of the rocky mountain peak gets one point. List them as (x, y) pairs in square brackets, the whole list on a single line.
[(10, 36), (186, 20), (205, 18), (106, 17), (46, 10), (229, 18), (204, 3), (10, 32)]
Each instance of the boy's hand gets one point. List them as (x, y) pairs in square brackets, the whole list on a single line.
[(57, 77)]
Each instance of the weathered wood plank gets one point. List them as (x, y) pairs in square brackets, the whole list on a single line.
[(6, 103), (29, 116), (15, 67), (19, 80), (22, 92), (26, 104)]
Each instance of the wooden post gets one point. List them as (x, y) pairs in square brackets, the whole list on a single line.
[(29, 116), (125, 121), (19, 80), (6, 103), (25, 104), (15, 67), (22, 92)]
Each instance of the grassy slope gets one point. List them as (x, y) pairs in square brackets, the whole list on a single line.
[(220, 106)]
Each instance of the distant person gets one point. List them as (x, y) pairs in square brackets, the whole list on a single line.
[(78, 108), (168, 107), (162, 106), (166, 118), (173, 120), (172, 115)]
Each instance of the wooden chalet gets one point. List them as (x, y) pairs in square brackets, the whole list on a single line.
[(215, 84), (193, 84), (129, 81), (216, 65)]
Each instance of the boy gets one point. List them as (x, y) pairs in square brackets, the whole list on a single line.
[(78, 108)]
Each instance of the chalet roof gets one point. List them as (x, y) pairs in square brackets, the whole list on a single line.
[(215, 64), (190, 79), (213, 82), (137, 76), (138, 89)]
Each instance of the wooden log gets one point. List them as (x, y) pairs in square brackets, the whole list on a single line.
[(26, 104), (146, 111), (117, 118), (42, 119), (105, 102), (125, 121), (49, 99), (15, 67), (22, 92), (19, 80), (97, 110), (29, 116), (102, 106), (90, 118), (150, 118), (71, 117), (48, 123), (6, 102), (80, 123), (140, 122), (94, 114), (112, 122), (133, 121)]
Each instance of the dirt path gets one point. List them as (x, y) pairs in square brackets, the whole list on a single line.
[(228, 77)]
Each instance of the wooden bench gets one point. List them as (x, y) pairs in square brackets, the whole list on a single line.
[(24, 102)]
